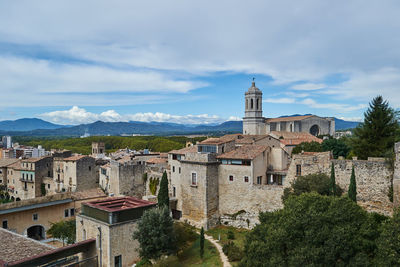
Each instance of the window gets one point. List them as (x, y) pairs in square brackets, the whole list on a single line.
[(231, 178), (179, 169), (31, 177), (23, 176), (259, 179), (72, 212), (194, 179), (298, 170), (174, 191), (35, 216), (48, 186), (48, 173), (118, 261), (66, 213), (246, 179), (5, 224), (103, 171), (251, 104), (173, 168), (84, 234), (207, 149), (90, 168)]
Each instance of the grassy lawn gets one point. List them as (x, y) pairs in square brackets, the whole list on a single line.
[(191, 257), (239, 236), (222, 231)]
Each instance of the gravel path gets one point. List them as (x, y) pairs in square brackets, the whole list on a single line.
[(223, 257)]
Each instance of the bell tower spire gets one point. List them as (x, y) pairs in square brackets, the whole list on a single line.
[(253, 121)]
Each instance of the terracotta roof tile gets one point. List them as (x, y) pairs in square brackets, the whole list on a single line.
[(244, 152), (157, 161), (292, 118)]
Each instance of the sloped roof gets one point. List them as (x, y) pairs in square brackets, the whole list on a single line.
[(183, 151), (295, 138), (250, 139), (75, 158), (6, 162), (244, 152), (221, 140), (292, 118), (157, 160)]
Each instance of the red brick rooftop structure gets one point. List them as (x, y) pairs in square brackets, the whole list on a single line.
[(119, 203), (114, 210)]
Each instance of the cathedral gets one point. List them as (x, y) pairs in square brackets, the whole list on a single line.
[(255, 124)]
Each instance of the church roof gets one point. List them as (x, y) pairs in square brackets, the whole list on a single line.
[(292, 118)]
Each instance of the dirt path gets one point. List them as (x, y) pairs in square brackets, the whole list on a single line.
[(223, 257)]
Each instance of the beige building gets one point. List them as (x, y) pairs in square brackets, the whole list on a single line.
[(112, 222), (25, 177), (255, 124), (75, 173), (33, 217)]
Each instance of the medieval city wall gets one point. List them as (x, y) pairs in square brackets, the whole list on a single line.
[(373, 178), (396, 177)]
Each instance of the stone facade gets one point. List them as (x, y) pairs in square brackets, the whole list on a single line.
[(396, 177), (76, 173), (255, 124)]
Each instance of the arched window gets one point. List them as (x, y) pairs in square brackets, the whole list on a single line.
[(251, 104), (291, 127), (247, 104), (257, 104)]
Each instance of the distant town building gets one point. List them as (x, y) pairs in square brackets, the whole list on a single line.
[(98, 149), (7, 141)]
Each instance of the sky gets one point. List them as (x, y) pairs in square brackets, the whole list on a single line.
[(72, 62)]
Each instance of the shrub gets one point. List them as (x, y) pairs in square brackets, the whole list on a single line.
[(143, 263), (230, 235), (233, 252)]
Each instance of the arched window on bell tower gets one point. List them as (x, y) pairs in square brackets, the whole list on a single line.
[(247, 104), (251, 104), (257, 105)]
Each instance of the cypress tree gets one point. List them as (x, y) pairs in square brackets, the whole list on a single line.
[(202, 242), (353, 187), (332, 184), (163, 195)]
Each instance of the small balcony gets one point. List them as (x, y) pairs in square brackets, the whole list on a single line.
[(26, 180)]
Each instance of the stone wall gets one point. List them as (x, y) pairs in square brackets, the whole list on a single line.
[(396, 177), (373, 178)]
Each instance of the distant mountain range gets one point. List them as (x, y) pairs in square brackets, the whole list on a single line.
[(38, 127)]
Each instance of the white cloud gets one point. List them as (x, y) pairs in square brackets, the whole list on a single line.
[(358, 119), (308, 86), (283, 100), (77, 115), (334, 106)]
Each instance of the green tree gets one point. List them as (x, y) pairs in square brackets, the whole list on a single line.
[(163, 195), (338, 147), (376, 135), (307, 147), (332, 184), (319, 183), (352, 193), (389, 242), (155, 234), (201, 242), (313, 230), (63, 230)]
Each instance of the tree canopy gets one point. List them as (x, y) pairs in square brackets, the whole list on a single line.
[(64, 230), (375, 137), (155, 233), (313, 230), (339, 147), (319, 183)]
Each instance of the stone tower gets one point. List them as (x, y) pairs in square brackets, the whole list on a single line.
[(253, 121)]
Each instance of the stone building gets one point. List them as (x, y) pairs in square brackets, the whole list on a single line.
[(4, 163), (98, 149), (255, 124), (221, 177), (25, 177), (75, 173), (112, 222)]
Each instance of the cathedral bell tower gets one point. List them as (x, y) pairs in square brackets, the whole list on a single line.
[(253, 121)]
